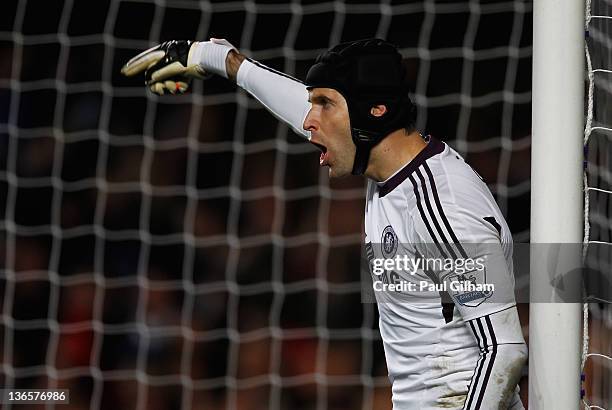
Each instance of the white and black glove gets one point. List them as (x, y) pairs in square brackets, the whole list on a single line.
[(170, 66)]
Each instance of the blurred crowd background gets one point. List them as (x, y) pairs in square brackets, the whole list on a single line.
[(188, 252)]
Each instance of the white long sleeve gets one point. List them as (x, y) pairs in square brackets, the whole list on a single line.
[(285, 97), (503, 354)]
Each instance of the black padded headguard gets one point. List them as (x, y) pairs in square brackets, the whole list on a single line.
[(367, 73)]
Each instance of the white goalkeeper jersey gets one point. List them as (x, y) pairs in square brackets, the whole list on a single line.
[(445, 347), (437, 208)]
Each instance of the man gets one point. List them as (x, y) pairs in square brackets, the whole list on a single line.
[(423, 202)]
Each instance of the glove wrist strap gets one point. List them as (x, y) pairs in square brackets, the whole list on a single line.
[(209, 56)]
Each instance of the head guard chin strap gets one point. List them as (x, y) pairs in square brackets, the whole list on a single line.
[(367, 73)]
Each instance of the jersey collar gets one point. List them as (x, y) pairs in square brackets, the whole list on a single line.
[(432, 148)]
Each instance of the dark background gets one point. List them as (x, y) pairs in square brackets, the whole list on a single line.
[(188, 251)]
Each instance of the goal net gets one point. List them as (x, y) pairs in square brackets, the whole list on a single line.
[(188, 252), (597, 337)]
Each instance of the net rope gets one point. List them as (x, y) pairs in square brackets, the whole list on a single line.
[(597, 315), (187, 252)]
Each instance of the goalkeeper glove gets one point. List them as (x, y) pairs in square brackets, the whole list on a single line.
[(170, 66)]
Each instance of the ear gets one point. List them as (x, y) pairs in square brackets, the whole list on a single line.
[(378, 110)]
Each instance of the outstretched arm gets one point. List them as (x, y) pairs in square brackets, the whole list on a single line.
[(284, 96), (170, 66)]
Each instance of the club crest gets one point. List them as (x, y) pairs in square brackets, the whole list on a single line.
[(388, 242)]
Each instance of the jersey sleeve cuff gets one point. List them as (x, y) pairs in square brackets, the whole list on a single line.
[(243, 72), (487, 309)]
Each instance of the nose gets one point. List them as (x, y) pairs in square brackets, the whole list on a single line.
[(310, 122)]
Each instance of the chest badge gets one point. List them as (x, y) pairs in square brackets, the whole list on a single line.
[(388, 242)]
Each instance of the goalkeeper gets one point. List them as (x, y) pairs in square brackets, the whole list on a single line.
[(422, 199)]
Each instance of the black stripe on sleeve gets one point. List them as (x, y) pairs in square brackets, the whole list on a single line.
[(448, 306), (482, 345), (441, 212), (423, 217), (433, 215), (476, 374), (491, 362)]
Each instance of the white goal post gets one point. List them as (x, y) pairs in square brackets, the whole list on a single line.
[(557, 196)]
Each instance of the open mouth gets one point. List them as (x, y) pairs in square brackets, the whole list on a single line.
[(323, 159)]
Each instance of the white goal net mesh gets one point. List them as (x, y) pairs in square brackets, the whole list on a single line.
[(166, 252), (597, 349)]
